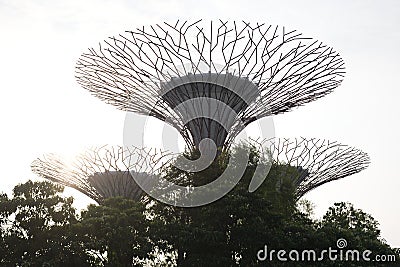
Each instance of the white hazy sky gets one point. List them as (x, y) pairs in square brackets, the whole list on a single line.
[(43, 109)]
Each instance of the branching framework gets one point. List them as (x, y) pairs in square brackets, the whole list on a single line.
[(107, 171), (104, 172), (286, 68), (317, 161)]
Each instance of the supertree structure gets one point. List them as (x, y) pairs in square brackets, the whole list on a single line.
[(104, 172), (108, 171), (315, 161), (210, 80)]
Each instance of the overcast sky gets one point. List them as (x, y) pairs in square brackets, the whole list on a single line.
[(43, 109)]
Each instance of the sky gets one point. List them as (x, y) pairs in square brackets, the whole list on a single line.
[(43, 109)]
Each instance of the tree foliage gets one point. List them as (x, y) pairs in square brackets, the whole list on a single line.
[(117, 231), (40, 227), (230, 231), (35, 226)]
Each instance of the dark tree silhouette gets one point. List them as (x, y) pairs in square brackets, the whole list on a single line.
[(231, 230), (36, 227)]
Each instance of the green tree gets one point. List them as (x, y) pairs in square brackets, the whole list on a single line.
[(359, 229), (5, 212), (35, 226), (118, 231), (230, 231), (39, 227)]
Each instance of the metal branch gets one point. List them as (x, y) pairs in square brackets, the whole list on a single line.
[(317, 161), (103, 172), (287, 69)]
